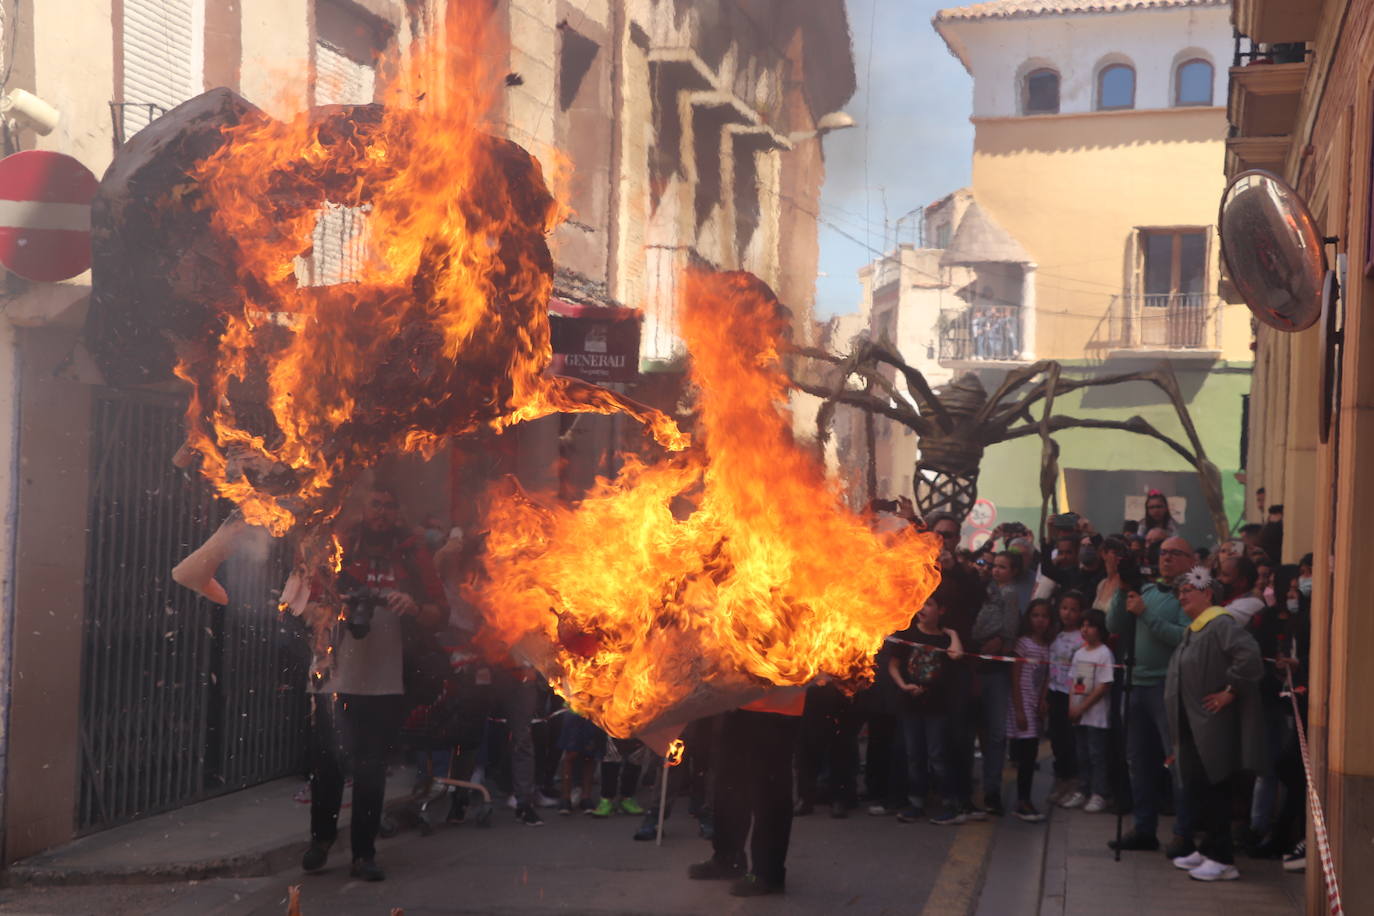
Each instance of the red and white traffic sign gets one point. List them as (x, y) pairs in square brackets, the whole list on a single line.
[(45, 215)]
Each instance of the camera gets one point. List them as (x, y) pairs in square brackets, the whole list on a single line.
[(360, 605), (1066, 522), (884, 505)]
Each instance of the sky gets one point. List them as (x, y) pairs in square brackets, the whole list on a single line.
[(913, 143)]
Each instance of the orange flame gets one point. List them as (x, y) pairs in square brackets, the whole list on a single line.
[(675, 751), (441, 329), (639, 614)]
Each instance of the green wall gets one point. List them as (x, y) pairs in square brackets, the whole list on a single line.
[(1213, 392)]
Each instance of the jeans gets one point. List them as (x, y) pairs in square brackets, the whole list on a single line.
[(959, 731), (1147, 745), (1277, 727), (996, 694), (1061, 736), (754, 788), (521, 700), (925, 754), (351, 733), (1092, 758)]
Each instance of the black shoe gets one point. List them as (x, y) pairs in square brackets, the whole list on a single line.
[(992, 804), (1268, 849), (714, 870), (648, 828), (706, 826), (315, 856), (1135, 842), (754, 886), (1179, 847), (367, 870), (526, 815), (802, 809)]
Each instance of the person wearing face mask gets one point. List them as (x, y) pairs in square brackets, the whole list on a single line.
[(1238, 576), (1282, 633)]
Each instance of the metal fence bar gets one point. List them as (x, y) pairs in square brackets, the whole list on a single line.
[(149, 708)]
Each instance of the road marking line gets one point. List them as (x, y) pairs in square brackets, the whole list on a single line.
[(957, 882)]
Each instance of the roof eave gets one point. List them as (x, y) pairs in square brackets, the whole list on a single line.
[(953, 42)]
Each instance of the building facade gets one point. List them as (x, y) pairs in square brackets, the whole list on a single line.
[(1301, 106), (692, 134), (1098, 149)]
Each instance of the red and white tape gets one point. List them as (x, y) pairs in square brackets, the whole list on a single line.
[(1314, 805)]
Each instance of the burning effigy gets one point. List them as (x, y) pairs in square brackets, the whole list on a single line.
[(683, 587), (644, 617)]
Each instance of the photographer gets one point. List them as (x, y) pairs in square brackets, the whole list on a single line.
[(387, 583)]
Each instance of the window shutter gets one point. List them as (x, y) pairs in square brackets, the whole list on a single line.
[(160, 57), (340, 232)]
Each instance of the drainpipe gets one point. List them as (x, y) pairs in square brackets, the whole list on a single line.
[(619, 35), (1028, 312), (9, 528)]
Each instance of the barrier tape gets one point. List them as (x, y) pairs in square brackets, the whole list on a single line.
[(1314, 806), (1014, 658)]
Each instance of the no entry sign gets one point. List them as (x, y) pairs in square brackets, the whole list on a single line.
[(45, 215)]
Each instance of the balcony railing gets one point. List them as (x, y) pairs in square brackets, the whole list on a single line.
[(980, 331), (1255, 52), (1165, 321), (128, 118)]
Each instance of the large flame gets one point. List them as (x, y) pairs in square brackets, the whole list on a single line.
[(441, 328), (643, 616)]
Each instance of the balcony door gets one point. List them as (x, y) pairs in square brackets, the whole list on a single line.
[(1174, 287)]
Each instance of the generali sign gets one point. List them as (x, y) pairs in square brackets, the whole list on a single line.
[(594, 344)]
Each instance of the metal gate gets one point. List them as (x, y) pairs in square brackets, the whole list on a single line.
[(181, 699)]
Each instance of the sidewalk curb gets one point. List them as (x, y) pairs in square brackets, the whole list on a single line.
[(259, 863)]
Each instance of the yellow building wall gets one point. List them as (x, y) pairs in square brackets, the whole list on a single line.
[(1072, 189)]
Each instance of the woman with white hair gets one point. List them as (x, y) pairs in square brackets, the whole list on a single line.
[(1212, 699)]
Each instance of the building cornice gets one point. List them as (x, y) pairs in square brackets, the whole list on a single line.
[(1117, 113)]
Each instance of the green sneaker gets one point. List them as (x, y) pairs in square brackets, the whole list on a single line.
[(630, 806), (604, 808)]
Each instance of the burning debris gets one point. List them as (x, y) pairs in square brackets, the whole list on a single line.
[(644, 617)]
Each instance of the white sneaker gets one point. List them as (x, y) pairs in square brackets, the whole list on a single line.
[(1095, 805), (543, 801), (1076, 800), (511, 803), (1190, 862), (1214, 871)]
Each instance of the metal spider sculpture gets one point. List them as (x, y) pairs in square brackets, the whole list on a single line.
[(957, 425)]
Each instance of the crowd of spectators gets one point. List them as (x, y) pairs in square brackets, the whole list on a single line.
[(1146, 676)]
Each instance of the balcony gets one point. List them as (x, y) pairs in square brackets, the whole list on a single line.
[(1176, 323), (1278, 20), (1266, 87), (980, 332)]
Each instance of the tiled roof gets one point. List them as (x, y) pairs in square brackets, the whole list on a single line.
[(1017, 9)]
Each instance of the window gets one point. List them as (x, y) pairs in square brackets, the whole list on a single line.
[(162, 57), (1040, 92), (1171, 312), (1175, 265), (1115, 87), (1193, 83)]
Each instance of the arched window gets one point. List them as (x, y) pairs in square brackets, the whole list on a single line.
[(1115, 87), (1193, 83), (1040, 92)]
